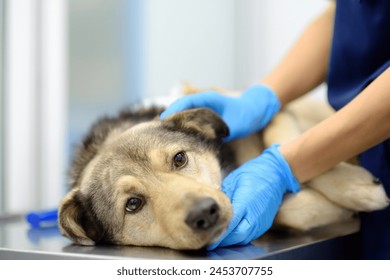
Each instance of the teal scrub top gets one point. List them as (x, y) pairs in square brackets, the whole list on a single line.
[(360, 52)]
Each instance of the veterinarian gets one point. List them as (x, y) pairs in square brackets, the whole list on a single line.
[(348, 46)]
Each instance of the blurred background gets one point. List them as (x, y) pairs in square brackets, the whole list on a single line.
[(65, 63)]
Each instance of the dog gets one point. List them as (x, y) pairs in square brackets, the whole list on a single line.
[(139, 180)]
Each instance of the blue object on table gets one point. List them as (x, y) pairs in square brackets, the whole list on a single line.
[(42, 218)]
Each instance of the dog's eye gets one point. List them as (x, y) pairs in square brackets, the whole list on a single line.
[(180, 159), (134, 204)]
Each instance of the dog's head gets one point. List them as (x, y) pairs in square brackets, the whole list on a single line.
[(154, 184)]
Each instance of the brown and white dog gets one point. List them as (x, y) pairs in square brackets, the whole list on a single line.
[(139, 180)]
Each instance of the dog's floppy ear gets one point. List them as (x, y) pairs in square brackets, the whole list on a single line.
[(74, 222), (199, 121)]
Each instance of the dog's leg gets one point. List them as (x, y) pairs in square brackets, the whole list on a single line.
[(282, 129), (309, 111), (308, 209), (352, 187), (247, 148)]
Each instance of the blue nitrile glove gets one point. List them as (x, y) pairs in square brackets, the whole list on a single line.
[(256, 190), (243, 115)]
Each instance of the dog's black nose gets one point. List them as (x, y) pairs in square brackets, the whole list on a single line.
[(203, 215)]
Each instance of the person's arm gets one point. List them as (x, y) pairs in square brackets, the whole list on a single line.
[(256, 188), (361, 124), (306, 64)]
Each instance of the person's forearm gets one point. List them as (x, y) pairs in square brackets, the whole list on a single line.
[(306, 64), (361, 124)]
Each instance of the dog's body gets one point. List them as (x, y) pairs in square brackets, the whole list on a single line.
[(139, 180)]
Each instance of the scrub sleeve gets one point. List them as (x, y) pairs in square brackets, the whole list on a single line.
[(360, 53)]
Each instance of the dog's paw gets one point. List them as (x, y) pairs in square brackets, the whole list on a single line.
[(352, 187), (308, 209)]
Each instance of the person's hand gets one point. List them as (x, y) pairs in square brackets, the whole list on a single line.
[(243, 115), (256, 190)]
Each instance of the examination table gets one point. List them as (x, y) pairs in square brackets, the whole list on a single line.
[(339, 241)]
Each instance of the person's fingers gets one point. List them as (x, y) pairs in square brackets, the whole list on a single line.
[(238, 214), (208, 99), (228, 184), (237, 235), (177, 106), (249, 235)]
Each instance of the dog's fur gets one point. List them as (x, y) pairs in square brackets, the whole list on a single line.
[(133, 156), (171, 170)]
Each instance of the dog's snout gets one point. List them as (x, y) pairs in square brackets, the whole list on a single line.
[(203, 215)]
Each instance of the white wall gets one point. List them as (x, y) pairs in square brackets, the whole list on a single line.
[(229, 43), (2, 27), (34, 104), (265, 32), (188, 40)]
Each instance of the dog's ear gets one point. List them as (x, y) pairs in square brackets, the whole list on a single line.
[(199, 121), (74, 222)]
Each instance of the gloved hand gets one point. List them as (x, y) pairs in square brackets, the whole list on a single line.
[(256, 190), (243, 115)]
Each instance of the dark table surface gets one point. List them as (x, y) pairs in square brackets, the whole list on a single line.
[(19, 241)]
